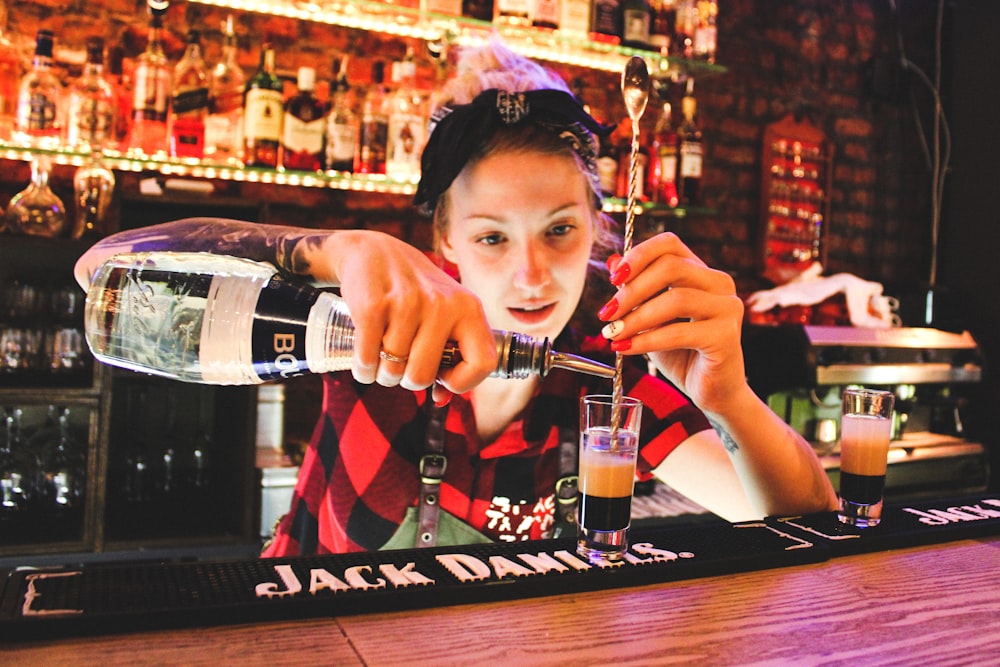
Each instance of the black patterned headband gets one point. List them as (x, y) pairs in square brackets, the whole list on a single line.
[(458, 132)]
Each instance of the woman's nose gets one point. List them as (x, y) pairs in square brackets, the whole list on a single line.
[(532, 269)]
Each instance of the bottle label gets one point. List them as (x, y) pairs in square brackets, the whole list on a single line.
[(635, 26), (278, 341), (150, 97), (341, 143), (41, 112), (194, 100), (94, 122), (262, 120), (301, 136), (690, 159), (403, 146)]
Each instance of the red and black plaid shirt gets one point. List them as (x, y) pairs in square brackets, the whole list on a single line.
[(360, 474)]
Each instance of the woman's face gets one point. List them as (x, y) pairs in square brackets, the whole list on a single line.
[(520, 230)]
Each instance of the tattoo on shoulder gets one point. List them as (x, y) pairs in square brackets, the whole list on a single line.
[(727, 440)]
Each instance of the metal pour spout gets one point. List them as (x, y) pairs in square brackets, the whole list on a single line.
[(522, 356)]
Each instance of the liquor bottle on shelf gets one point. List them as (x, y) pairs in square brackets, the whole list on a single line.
[(606, 21), (663, 15), (92, 104), (122, 90), (374, 130), (545, 14), (662, 183), (262, 114), (574, 18), (36, 210), (685, 23), (189, 101), (446, 7), (512, 13), (303, 126), (151, 92), (481, 10), (341, 122), (227, 83), (690, 151), (40, 99), (63, 469), (607, 164), (10, 75), (93, 188), (193, 292), (407, 123), (14, 475), (705, 32), (635, 24)]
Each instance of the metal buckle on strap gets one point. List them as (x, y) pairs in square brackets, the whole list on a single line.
[(432, 467), (566, 490)]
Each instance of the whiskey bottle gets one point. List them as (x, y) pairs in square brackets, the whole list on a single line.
[(663, 16), (341, 122), (189, 102), (151, 94), (635, 24), (690, 151), (39, 99), (303, 126), (92, 105), (224, 126), (374, 131), (216, 319), (262, 114), (574, 18), (606, 21)]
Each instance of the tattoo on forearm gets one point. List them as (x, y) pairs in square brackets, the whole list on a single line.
[(727, 440)]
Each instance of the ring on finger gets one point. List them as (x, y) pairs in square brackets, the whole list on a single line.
[(386, 356)]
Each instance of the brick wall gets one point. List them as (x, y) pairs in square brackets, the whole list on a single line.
[(812, 57)]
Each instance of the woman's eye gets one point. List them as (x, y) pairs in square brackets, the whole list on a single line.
[(490, 239), (561, 229)]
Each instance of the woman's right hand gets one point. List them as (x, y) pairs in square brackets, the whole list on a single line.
[(407, 308)]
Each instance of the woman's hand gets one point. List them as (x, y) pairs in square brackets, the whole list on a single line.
[(684, 315), (405, 310)]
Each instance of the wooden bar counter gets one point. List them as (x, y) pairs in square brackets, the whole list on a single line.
[(934, 604)]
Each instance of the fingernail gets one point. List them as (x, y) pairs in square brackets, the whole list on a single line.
[(613, 261), (612, 329), (621, 274), (621, 345), (441, 402), (609, 309)]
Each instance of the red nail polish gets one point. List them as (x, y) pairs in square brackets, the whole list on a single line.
[(621, 274), (608, 311), (443, 401), (613, 261), (621, 345)]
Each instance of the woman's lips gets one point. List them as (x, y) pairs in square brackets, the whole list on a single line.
[(532, 315)]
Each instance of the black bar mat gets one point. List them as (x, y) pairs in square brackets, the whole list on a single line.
[(117, 597)]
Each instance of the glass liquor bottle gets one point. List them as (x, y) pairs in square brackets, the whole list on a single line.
[(663, 15), (303, 126), (93, 187), (262, 114), (685, 24), (10, 75), (15, 477), (40, 99), (625, 164), (341, 123), (224, 126), (407, 124), (151, 92), (705, 32), (36, 210), (189, 101), (606, 21), (204, 317), (635, 24), (481, 10), (545, 14), (92, 104), (122, 89), (574, 18), (374, 131), (690, 151), (514, 13), (663, 160)]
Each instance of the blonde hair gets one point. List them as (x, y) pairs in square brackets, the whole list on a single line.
[(494, 65)]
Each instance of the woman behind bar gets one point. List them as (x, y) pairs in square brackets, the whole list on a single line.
[(509, 175)]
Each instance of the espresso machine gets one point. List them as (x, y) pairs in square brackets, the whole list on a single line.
[(801, 371)]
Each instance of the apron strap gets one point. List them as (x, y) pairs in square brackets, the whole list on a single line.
[(432, 467)]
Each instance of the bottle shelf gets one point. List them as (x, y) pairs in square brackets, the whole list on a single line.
[(539, 43)]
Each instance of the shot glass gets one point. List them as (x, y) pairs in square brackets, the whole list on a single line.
[(609, 443), (865, 431)]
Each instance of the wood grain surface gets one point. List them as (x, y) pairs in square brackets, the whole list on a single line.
[(932, 605)]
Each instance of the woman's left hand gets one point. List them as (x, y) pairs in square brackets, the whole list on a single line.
[(683, 314)]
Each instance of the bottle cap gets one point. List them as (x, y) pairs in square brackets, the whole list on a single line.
[(43, 43), (307, 78)]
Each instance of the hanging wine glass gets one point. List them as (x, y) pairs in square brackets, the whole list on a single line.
[(36, 210), (94, 187)]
